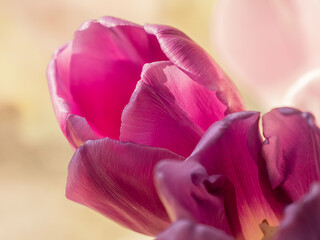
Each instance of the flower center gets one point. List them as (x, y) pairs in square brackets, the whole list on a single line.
[(267, 230)]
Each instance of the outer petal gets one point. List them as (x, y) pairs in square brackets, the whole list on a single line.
[(95, 75), (75, 128), (231, 148), (188, 230), (302, 219), (268, 45), (196, 63), (116, 179), (206, 199), (291, 151), (169, 110)]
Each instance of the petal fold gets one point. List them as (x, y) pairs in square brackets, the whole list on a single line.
[(291, 151), (116, 179), (169, 110), (302, 219), (231, 148), (205, 199), (196, 63)]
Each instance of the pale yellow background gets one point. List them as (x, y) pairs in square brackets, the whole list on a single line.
[(33, 152)]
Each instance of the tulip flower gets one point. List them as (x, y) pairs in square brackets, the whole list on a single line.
[(271, 48), (164, 147), (133, 95)]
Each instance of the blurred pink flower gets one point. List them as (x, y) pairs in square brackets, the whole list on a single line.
[(267, 46), (132, 87)]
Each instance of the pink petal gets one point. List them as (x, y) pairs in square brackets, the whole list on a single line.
[(302, 219), (206, 199), (196, 63), (268, 45), (188, 230), (116, 179), (169, 110), (105, 66), (75, 128), (95, 75), (231, 148), (291, 151)]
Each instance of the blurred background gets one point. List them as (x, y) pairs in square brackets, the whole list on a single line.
[(34, 154)]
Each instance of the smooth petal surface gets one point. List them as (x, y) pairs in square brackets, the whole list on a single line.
[(302, 219), (185, 229), (291, 151), (267, 45), (95, 74), (231, 148), (106, 64), (169, 110), (196, 63), (75, 128), (205, 199), (116, 179)]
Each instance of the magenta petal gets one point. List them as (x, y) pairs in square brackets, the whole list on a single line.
[(231, 148), (75, 128), (186, 229), (206, 199), (291, 151), (169, 110), (196, 63), (116, 179), (302, 219)]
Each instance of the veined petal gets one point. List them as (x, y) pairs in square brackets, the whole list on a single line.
[(169, 110), (291, 151), (205, 199), (116, 179), (196, 63), (186, 229), (231, 148), (302, 219)]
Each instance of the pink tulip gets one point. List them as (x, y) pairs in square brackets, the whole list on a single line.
[(164, 148), (140, 94), (268, 46)]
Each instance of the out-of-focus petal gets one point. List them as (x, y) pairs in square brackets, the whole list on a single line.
[(291, 151), (169, 110), (231, 148), (267, 45), (196, 63), (302, 219), (186, 229), (116, 179), (75, 128), (108, 55), (206, 199), (305, 94)]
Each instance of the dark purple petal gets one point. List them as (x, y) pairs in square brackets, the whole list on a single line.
[(169, 110), (291, 151), (185, 229), (231, 148), (196, 63), (116, 179), (302, 218), (187, 191)]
